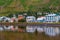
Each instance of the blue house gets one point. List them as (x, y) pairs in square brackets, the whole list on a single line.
[(50, 18)]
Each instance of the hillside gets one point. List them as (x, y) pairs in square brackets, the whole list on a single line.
[(29, 5)]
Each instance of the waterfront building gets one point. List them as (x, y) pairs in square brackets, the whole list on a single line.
[(50, 18), (20, 17), (41, 19), (30, 18)]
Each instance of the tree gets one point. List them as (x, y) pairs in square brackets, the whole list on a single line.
[(22, 20)]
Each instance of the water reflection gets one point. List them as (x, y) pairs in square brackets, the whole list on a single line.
[(12, 28), (51, 31)]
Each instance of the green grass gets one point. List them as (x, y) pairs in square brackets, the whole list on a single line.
[(54, 3), (23, 1), (5, 2), (4, 14)]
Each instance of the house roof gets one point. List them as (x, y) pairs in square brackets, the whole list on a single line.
[(30, 17), (40, 18), (52, 15)]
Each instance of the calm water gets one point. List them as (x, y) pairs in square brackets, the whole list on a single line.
[(51, 31)]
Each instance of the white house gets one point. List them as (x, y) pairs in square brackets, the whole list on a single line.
[(30, 18), (40, 19), (50, 18), (7, 19), (4, 19)]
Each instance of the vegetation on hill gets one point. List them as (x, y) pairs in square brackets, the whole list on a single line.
[(5, 2), (13, 6)]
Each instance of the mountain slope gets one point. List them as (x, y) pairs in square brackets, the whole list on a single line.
[(25, 5)]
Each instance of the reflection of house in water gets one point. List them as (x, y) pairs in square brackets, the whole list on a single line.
[(34, 28), (52, 31), (8, 28), (11, 28), (50, 18), (1, 28)]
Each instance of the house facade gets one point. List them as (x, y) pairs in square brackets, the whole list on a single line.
[(20, 17), (40, 19), (30, 18), (50, 18)]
